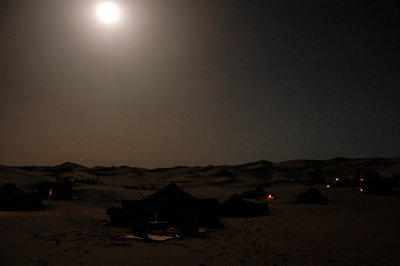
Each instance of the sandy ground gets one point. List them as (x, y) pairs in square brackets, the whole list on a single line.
[(354, 229)]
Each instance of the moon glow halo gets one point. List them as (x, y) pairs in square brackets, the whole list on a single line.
[(108, 12)]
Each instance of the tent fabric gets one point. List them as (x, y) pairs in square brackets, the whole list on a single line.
[(14, 199), (236, 206), (312, 196), (170, 204), (257, 193), (55, 190)]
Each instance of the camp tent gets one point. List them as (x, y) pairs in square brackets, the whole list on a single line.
[(170, 206), (55, 190), (235, 206), (312, 196), (14, 199), (257, 193)]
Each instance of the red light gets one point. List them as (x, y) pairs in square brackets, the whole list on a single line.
[(270, 197)]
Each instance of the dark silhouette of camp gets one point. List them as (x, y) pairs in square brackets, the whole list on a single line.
[(379, 190), (235, 206), (312, 196), (14, 199), (380, 186), (55, 190), (170, 206), (258, 193)]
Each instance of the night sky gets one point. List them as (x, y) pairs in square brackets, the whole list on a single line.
[(198, 82)]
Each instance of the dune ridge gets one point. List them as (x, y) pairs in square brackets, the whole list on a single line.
[(352, 229)]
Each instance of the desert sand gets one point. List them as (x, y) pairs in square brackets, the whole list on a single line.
[(353, 229)]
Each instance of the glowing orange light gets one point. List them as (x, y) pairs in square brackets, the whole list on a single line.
[(337, 179), (328, 185), (361, 179), (270, 197), (361, 189)]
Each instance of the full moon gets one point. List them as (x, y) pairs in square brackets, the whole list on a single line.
[(108, 12)]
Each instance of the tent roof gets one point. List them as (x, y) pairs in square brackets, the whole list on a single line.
[(171, 192), (10, 189), (14, 199)]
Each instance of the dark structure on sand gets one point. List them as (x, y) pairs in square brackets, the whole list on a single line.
[(14, 199), (170, 206), (235, 206), (312, 196), (258, 193), (55, 190)]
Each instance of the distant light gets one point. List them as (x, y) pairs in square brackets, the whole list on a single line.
[(271, 197), (337, 179), (361, 189), (328, 185), (108, 12), (361, 179)]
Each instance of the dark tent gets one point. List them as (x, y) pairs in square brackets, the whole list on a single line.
[(55, 190), (170, 205), (14, 199), (235, 206), (375, 185), (258, 193), (312, 196), (379, 190)]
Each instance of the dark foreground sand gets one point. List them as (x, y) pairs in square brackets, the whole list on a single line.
[(354, 229)]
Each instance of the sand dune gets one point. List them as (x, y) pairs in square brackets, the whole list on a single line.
[(353, 229)]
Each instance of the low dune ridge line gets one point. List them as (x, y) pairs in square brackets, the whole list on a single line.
[(338, 212)]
